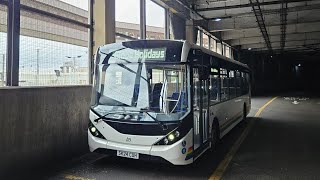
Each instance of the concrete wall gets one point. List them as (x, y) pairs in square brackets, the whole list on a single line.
[(42, 125)]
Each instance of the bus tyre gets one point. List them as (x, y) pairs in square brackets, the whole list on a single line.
[(215, 138), (244, 112)]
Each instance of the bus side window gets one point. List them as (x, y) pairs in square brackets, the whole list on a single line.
[(238, 83), (214, 89), (245, 83), (224, 84), (232, 84)]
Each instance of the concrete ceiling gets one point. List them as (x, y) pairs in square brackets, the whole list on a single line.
[(285, 24)]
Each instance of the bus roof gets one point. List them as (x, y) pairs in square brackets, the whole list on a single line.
[(207, 51), (188, 45)]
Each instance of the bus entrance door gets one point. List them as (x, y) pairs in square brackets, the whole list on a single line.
[(200, 109)]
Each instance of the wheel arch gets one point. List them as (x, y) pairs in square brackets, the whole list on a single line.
[(215, 120)]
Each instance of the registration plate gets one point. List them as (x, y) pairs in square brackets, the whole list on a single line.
[(127, 154)]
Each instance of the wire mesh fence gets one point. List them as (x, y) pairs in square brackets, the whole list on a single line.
[(3, 44), (53, 51)]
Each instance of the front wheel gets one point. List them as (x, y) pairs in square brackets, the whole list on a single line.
[(215, 137), (244, 112)]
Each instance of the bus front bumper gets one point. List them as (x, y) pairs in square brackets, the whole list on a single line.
[(177, 153)]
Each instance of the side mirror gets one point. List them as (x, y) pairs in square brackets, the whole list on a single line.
[(197, 52)]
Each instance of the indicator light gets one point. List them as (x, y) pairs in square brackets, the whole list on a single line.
[(166, 141)]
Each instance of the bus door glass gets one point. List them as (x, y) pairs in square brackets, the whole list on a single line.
[(205, 108), (200, 109)]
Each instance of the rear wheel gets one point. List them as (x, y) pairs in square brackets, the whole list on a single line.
[(215, 136)]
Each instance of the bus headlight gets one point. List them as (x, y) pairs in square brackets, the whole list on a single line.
[(94, 131), (176, 134), (170, 138)]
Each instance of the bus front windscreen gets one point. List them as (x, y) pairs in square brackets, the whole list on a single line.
[(126, 90)]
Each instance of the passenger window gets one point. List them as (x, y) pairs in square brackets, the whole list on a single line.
[(232, 84), (214, 89), (245, 83), (224, 84), (238, 83)]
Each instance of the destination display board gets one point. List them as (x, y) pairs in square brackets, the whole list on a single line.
[(150, 54)]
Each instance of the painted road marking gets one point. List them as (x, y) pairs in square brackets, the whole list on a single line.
[(72, 177), (295, 102), (217, 174), (296, 98)]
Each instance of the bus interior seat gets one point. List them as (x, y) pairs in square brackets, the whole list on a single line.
[(180, 106)]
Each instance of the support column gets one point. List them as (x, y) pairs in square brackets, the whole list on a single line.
[(102, 31), (143, 21), (167, 24), (178, 27), (201, 38), (13, 43), (90, 43), (191, 33), (103, 23)]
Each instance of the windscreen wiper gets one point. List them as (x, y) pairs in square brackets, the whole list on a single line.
[(104, 116), (163, 126)]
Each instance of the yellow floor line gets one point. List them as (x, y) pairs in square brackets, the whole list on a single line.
[(72, 177), (217, 174)]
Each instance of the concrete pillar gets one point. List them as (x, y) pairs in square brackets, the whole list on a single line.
[(201, 38), (167, 24), (13, 43), (104, 23), (143, 20), (178, 27), (191, 32)]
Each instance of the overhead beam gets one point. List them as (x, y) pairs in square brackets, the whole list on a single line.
[(315, 47), (274, 38), (287, 49), (283, 19), (226, 14), (260, 20), (176, 7), (269, 19), (273, 30), (246, 5), (276, 45)]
